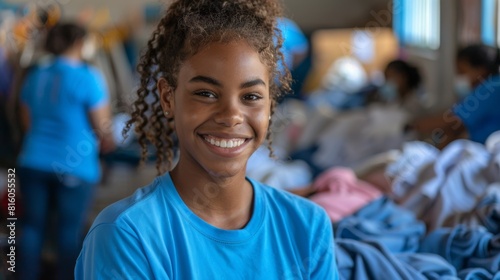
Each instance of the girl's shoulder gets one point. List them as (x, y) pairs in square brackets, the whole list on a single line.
[(294, 207), (129, 208)]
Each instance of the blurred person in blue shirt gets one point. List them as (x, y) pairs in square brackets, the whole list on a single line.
[(477, 112), (295, 50), (65, 112), (295, 44)]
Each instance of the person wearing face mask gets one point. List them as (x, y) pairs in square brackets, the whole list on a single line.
[(65, 113), (402, 83), (477, 112), (462, 86)]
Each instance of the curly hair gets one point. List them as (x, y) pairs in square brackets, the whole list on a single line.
[(187, 27)]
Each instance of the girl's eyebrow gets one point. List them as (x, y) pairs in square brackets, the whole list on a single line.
[(212, 81), (252, 83), (205, 79)]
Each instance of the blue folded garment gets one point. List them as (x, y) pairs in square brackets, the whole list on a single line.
[(369, 260), (384, 222), (478, 274), (465, 247)]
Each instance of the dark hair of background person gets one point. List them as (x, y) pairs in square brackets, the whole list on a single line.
[(63, 36), (481, 56), (187, 27), (411, 73)]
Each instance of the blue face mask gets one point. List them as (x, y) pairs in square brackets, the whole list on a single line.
[(462, 87), (388, 91)]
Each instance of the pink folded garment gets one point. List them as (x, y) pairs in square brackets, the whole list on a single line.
[(341, 194)]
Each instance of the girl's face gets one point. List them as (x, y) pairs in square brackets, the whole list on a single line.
[(474, 75), (221, 108)]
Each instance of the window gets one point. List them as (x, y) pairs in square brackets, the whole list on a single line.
[(488, 22), (417, 22)]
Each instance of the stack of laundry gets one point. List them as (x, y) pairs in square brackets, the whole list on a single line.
[(439, 220)]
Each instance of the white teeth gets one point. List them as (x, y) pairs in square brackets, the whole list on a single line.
[(223, 143)]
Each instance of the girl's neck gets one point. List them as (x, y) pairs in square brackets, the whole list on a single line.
[(224, 202)]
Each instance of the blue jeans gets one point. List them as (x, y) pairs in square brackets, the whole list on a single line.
[(43, 193)]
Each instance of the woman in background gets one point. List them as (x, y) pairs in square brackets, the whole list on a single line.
[(402, 81), (477, 113), (65, 112)]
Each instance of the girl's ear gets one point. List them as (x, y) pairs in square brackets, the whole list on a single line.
[(166, 97)]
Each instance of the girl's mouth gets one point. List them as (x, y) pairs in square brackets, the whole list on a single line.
[(224, 142)]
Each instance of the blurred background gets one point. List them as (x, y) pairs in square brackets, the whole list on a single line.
[(365, 72)]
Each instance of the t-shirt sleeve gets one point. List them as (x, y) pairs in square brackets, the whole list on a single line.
[(111, 252), (474, 108), (324, 265), (97, 91)]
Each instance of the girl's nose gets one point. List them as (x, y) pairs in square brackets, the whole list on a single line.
[(229, 113)]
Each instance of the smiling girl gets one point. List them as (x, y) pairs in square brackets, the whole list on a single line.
[(212, 68)]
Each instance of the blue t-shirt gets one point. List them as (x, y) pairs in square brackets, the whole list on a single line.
[(59, 97), (154, 235), (480, 110)]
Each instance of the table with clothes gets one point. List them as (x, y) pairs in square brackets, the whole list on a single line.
[(438, 219)]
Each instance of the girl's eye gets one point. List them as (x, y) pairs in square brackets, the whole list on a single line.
[(207, 94), (252, 97)]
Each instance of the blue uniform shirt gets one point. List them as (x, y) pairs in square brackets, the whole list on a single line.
[(154, 235), (480, 110), (59, 96), (294, 41)]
